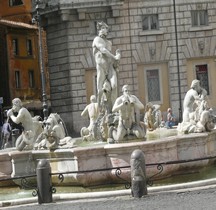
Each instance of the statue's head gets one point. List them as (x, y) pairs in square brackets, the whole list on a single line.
[(102, 29), (49, 124), (54, 117), (51, 121), (93, 99), (125, 89), (149, 106), (17, 104), (195, 84)]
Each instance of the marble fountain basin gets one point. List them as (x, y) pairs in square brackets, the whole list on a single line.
[(107, 156)]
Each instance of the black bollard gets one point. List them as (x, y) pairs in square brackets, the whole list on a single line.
[(44, 183), (138, 174)]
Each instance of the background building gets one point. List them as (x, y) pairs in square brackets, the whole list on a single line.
[(164, 44), (19, 55), (16, 10)]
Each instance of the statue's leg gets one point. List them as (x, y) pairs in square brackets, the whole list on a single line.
[(113, 82), (138, 131), (113, 95), (121, 132), (113, 79), (20, 143), (186, 114), (100, 81), (3, 141)]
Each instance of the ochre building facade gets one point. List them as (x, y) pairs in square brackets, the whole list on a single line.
[(19, 55)]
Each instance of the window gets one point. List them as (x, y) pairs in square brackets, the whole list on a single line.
[(150, 22), (91, 83), (15, 47), (15, 2), (202, 76), (153, 85), (29, 46), (17, 79), (31, 79), (93, 28), (199, 18)]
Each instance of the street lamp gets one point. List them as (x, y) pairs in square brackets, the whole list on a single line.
[(177, 58), (37, 18)]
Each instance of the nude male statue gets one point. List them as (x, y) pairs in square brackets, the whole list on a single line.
[(92, 111), (128, 106), (30, 128), (106, 62)]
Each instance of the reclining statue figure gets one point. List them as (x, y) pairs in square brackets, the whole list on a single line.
[(32, 127), (197, 116), (53, 135)]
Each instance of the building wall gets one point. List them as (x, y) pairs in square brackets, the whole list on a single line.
[(23, 63), (19, 13), (70, 32), (12, 25), (4, 90)]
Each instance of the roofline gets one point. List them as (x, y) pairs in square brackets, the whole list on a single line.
[(17, 24)]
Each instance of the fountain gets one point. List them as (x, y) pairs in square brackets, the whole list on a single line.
[(114, 121)]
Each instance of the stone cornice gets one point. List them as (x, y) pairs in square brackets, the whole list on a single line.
[(63, 7), (53, 6), (91, 3)]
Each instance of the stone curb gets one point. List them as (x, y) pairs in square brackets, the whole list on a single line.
[(185, 187)]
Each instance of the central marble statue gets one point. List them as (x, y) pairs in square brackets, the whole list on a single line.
[(107, 68), (119, 117)]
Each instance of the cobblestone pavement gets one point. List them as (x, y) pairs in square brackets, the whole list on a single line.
[(188, 200)]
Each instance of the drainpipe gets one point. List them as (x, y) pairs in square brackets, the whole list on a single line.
[(41, 59), (177, 57), (131, 55)]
